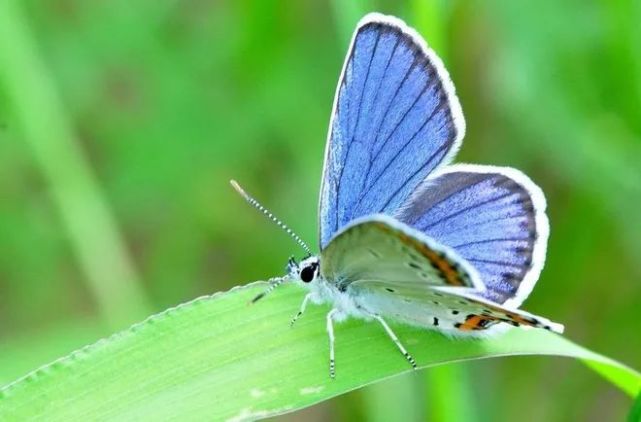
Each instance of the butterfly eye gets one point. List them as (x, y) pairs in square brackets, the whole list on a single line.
[(307, 273)]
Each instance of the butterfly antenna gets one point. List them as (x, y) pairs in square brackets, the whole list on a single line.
[(271, 216)]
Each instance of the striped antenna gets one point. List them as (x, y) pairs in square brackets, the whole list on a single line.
[(271, 216)]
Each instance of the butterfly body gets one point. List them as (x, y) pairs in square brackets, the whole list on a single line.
[(437, 315), (405, 235)]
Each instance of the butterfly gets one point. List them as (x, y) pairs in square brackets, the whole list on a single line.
[(404, 234)]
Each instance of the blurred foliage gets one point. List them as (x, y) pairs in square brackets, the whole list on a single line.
[(169, 100)]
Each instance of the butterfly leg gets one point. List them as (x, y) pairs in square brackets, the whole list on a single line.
[(330, 332), (395, 339), (302, 309)]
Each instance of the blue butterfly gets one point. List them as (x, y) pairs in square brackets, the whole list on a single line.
[(405, 235)]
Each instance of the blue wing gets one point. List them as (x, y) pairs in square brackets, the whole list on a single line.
[(493, 217), (395, 119)]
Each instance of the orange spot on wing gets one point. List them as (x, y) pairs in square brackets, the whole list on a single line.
[(481, 322), (477, 322), (451, 273)]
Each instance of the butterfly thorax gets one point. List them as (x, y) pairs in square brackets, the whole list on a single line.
[(308, 274)]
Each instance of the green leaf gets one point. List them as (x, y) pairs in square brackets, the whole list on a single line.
[(218, 358), (635, 413)]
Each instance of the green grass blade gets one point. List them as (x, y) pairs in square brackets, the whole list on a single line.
[(444, 383), (402, 395), (347, 14), (219, 358), (635, 413), (91, 227)]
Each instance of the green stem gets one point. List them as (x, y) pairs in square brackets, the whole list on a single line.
[(401, 395), (444, 382), (449, 394), (429, 20), (347, 14), (90, 226)]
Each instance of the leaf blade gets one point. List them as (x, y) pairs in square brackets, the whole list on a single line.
[(217, 357)]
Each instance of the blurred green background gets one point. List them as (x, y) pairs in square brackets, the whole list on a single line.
[(122, 122)]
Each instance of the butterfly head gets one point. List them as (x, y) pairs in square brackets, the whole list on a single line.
[(306, 271)]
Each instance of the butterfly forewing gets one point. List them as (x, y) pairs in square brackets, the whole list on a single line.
[(391, 270), (395, 119), (382, 249)]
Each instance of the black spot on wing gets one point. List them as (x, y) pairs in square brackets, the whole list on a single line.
[(374, 253)]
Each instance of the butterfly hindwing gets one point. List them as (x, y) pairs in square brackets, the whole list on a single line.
[(380, 248), (395, 119), (454, 310), (494, 218)]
